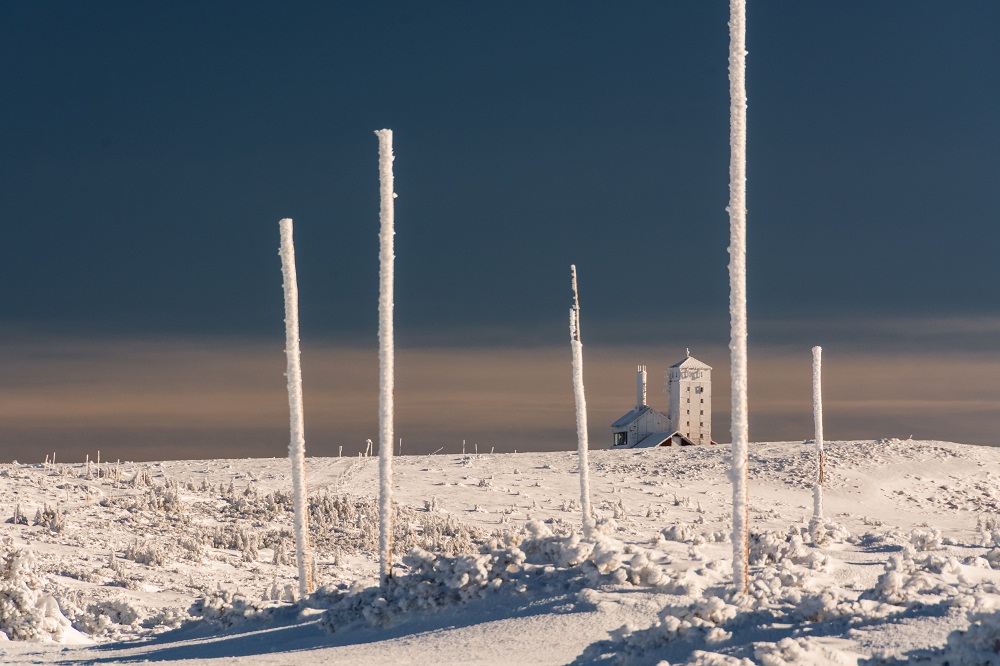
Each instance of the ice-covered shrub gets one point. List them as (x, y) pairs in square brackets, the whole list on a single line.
[(533, 556), (108, 617), (19, 518), (926, 539), (768, 547), (703, 658), (27, 612), (146, 552), (142, 478), (825, 532), (678, 532), (910, 580), (793, 651), (226, 609)]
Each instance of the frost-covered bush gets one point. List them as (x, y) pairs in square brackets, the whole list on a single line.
[(910, 580), (768, 547), (703, 658), (979, 644), (793, 651), (51, 518), (701, 619), (108, 617), (535, 556), (146, 552), (27, 612), (226, 609), (678, 532), (926, 539), (142, 478), (825, 532), (18, 518)]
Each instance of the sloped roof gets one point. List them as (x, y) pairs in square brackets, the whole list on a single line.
[(654, 439), (691, 362), (631, 416)]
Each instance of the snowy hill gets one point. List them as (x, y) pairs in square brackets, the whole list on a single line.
[(194, 560)]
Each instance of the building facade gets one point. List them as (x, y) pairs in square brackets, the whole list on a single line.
[(688, 420)]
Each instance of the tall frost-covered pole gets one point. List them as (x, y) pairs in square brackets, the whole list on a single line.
[(818, 422), (386, 352), (737, 290), (581, 409), (297, 445)]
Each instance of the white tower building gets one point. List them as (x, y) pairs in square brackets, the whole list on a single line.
[(689, 391), (688, 420)]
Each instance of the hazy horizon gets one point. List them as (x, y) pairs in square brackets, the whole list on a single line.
[(218, 397)]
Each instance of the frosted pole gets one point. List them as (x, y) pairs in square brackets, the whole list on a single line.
[(737, 290), (297, 445), (386, 351), (818, 422), (581, 409)]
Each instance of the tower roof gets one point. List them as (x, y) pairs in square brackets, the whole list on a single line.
[(691, 362)]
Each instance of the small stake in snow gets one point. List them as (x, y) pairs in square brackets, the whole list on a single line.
[(581, 408), (818, 422), (386, 351), (297, 443), (738, 292)]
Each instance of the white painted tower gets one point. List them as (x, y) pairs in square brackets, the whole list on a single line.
[(689, 391)]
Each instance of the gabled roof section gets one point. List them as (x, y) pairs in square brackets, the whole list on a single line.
[(631, 416), (655, 439), (691, 362)]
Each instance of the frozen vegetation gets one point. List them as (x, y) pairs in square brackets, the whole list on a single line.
[(492, 567)]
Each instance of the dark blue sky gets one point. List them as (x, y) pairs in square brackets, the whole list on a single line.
[(149, 149)]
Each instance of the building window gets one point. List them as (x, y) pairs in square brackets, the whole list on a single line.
[(702, 424), (702, 401), (621, 438), (699, 389)]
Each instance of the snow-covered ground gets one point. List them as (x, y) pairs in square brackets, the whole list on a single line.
[(194, 560)]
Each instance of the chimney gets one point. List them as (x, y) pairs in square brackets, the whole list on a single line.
[(640, 387)]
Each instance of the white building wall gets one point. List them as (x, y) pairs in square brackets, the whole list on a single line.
[(689, 392)]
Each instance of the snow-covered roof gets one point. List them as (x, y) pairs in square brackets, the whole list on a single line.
[(691, 362), (631, 416), (654, 439)]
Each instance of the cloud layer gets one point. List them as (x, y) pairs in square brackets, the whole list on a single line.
[(161, 399)]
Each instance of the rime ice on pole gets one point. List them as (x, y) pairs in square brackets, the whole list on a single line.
[(818, 422), (581, 409), (737, 289), (297, 445), (386, 350)]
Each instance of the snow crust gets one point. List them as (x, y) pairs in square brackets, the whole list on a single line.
[(904, 568)]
